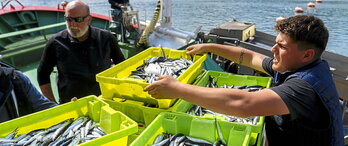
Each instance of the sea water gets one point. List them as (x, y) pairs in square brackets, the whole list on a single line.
[(189, 14)]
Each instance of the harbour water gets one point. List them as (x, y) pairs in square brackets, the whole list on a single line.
[(189, 14)]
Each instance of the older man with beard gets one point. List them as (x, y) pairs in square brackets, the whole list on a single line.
[(79, 53)]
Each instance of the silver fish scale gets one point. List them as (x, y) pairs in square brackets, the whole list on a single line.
[(155, 67), (68, 132)]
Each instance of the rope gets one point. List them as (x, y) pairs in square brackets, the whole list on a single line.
[(143, 41)]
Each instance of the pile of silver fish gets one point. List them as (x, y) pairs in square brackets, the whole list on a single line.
[(155, 67), (166, 139), (213, 84), (200, 111), (68, 132)]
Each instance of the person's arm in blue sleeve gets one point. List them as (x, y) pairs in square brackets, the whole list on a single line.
[(37, 101)]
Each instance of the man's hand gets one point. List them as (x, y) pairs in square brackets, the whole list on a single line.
[(46, 90), (197, 49), (164, 88), (73, 99)]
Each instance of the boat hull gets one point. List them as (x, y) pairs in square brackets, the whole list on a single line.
[(25, 30)]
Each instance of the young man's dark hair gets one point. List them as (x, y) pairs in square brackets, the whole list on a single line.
[(309, 31)]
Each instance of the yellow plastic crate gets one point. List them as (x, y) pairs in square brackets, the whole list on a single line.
[(230, 79), (137, 111), (115, 124), (115, 81)]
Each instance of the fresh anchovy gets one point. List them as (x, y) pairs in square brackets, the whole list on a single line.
[(25, 137), (66, 143), (159, 138), (219, 132), (163, 142), (198, 141), (12, 134), (179, 140), (87, 128), (68, 132), (5, 140), (61, 129), (155, 67), (31, 139), (20, 137), (172, 138), (98, 130), (75, 141), (78, 126), (60, 142)]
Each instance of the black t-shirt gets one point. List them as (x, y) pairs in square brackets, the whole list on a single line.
[(305, 106), (78, 62)]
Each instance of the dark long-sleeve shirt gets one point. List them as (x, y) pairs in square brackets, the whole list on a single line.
[(78, 62)]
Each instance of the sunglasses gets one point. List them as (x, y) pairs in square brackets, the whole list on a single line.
[(76, 19)]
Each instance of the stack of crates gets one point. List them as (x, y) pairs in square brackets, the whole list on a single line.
[(115, 124), (123, 110), (223, 78), (126, 94)]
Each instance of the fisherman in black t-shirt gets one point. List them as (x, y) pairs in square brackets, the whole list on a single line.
[(302, 110)]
